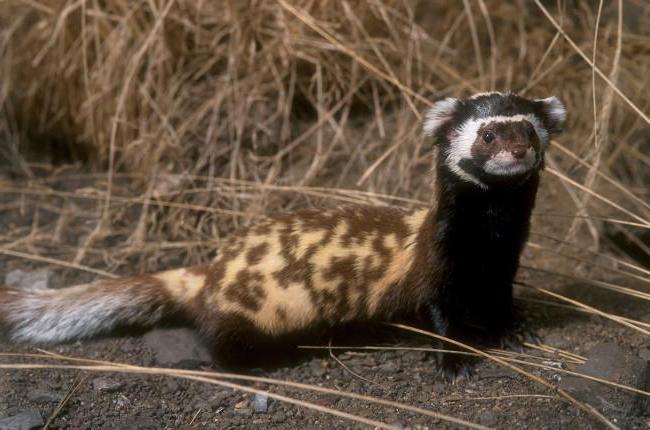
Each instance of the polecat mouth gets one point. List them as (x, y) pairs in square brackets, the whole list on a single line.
[(506, 164), (497, 173)]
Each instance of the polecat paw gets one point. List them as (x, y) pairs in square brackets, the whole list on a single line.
[(454, 369)]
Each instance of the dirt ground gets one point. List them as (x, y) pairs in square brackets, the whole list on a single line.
[(162, 402), (494, 397)]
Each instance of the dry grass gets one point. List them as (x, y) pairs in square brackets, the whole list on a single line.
[(192, 118), (187, 95)]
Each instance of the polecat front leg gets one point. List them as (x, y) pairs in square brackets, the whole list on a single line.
[(451, 365)]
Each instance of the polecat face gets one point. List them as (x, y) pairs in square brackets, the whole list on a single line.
[(494, 138)]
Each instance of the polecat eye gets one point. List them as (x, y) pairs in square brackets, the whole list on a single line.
[(530, 129), (488, 137)]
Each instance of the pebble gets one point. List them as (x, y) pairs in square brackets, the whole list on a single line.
[(122, 401), (488, 418), (43, 396), (217, 399), (243, 408), (317, 367), (644, 353), (28, 420), (557, 339), (389, 367), (609, 361), (171, 385), (420, 356), (260, 403), (106, 385), (242, 404), (33, 280), (179, 347)]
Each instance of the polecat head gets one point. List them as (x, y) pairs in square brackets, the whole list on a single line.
[(494, 138)]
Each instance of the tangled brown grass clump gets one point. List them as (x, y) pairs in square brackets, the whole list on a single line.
[(207, 114)]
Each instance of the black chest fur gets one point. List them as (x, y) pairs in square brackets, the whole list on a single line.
[(479, 236)]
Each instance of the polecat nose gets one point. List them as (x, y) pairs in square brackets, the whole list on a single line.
[(519, 151)]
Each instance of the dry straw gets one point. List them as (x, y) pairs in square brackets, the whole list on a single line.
[(308, 93)]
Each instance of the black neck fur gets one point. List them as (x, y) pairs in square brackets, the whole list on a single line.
[(478, 235)]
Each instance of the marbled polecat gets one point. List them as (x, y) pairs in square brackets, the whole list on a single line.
[(284, 276)]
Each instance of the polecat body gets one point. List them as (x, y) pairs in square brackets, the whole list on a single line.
[(453, 263)]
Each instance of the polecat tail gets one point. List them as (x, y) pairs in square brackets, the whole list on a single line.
[(66, 314)]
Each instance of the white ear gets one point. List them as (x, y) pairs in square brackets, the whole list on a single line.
[(440, 113), (555, 112)]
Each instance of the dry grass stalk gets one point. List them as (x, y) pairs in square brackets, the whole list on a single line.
[(106, 366)]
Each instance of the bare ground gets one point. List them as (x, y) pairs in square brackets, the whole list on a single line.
[(494, 397)]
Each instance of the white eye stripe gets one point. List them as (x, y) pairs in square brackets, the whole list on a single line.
[(461, 148), (461, 143), (468, 131)]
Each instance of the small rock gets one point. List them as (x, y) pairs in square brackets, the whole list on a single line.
[(608, 361), (243, 408), (128, 346), (216, 400), (201, 404), (177, 348), (42, 396), (171, 385), (644, 353), (147, 361), (397, 422), (488, 418), (420, 356), (27, 420), (34, 280), (106, 385), (260, 403), (557, 339), (317, 367), (241, 405), (122, 401), (389, 367), (439, 387)]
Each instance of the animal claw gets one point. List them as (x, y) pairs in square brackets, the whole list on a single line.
[(454, 371), (516, 340)]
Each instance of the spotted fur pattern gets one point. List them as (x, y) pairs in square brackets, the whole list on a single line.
[(292, 274)]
